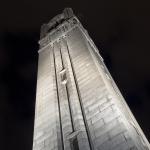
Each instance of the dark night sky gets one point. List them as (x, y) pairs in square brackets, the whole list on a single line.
[(120, 29)]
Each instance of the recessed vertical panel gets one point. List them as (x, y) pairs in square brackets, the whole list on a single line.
[(63, 98), (80, 134)]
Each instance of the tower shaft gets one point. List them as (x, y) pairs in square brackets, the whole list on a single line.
[(78, 105)]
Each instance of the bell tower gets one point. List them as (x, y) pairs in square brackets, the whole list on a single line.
[(78, 105)]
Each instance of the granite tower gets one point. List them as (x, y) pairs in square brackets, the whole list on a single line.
[(78, 105)]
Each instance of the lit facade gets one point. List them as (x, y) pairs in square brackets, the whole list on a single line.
[(78, 105)]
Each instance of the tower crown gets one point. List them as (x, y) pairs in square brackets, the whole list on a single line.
[(57, 20)]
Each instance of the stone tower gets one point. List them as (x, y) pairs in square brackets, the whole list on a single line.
[(78, 105)]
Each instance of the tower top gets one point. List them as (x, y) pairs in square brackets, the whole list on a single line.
[(57, 20)]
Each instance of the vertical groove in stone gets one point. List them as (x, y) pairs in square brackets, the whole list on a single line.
[(62, 140), (67, 93), (67, 126)]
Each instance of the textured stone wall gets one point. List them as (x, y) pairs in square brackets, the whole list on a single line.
[(107, 124), (46, 128)]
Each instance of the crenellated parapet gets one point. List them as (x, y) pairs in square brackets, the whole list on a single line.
[(61, 29), (56, 26)]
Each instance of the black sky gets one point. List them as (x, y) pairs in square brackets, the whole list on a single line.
[(120, 29)]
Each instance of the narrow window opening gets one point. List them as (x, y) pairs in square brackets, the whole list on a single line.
[(74, 144), (63, 76)]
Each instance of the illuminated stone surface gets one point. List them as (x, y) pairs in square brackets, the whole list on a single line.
[(78, 105)]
